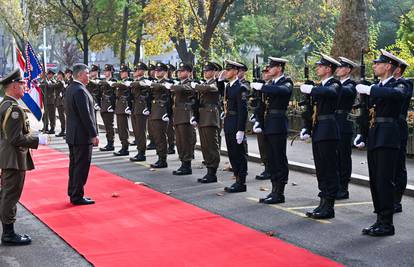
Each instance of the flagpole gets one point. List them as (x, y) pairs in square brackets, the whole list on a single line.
[(14, 56)]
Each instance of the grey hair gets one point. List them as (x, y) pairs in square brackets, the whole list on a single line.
[(78, 68)]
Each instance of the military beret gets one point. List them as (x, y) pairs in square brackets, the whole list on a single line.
[(50, 71), (208, 65), (276, 61), (109, 67), (161, 67), (95, 67), (68, 70), (230, 64), (345, 62), (171, 67), (243, 67), (124, 68), (185, 67), (328, 61), (14, 76)]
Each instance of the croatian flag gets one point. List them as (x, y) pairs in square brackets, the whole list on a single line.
[(32, 70)]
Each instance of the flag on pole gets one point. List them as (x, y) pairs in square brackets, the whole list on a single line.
[(32, 70), (20, 60)]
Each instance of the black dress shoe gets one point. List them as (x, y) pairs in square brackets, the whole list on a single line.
[(263, 176), (133, 143), (397, 208), (183, 171), (325, 210), (342, 194), (236, 188), (83, 201), (108, 147), (380, 229), (159, 164), (208, 179), (51, 131), (14, 239), (366, 230), (122, 152), (273, 198), (61, 134), (151, 146), (171, 150), (138, 157)]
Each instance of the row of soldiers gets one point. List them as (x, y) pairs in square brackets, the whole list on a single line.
[(220, 101)]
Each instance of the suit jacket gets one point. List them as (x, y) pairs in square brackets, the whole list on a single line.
[(15, 138), (81, 120)]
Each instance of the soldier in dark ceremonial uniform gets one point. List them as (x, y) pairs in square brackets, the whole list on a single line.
[(401, 170), (183, 100), (271, 119), (384, 140), (15, 157), (235, 118), (68, 76), (170, 128), (207, 118), (108, 106), (50, 100), (346, 100), (325, 135), (139, 93), (45, 118), (159, 111), (123, 108), (59, 102), (151, 77)]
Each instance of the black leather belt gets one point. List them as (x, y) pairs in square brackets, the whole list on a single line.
[(384, 119), (276, 111), (231, 112), (342, 111), (326, 117)]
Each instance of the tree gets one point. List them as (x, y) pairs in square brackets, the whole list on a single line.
[(11, 14), (351, 33)]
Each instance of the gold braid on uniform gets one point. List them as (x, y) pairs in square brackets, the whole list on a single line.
[(314, 114), (372, 115)]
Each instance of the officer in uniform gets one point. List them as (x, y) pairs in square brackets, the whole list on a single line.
[(108, 106), (139, 94), (123, 108), (45, 118), (207, 118), (15, 158), (401, 170), (235, 117), (325, 135), (384, 140), (170, 128), (183, 99), (50, 100), (68, 76), (94, 88), (151, 77), (158, 110), (59, 102), (271, 119), (346, 100)]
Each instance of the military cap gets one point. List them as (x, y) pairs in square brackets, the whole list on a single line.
[(219, 67), (151, 67), (171, 67), (275, 61), (124, 68), (60, 72), (50, 71), (328, 61), (266, 68), (208, 65), (387, 57), (94, 67), (402, 62), (109, 67), (161, 67), (185, 67), (345, 62), (68, 70), (140, 66), (230, 64), (243, 67), (14, 76)]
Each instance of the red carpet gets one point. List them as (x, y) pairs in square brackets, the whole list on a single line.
[(142, 227)]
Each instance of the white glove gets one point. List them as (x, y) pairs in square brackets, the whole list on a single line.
[(221, 76), (145, 112), (239, 137), (145, 82), (257, 86), (306, 88), (43, 139), (252, 118), (165, 118), (193, 121), (256, 127), (97, 107), (222, 115), (176, 82), (168, 85), (363, 89), (127, 83), (193, 84), (110, 83), (303, 135), (128, 111), (110, 109), (357, 142)]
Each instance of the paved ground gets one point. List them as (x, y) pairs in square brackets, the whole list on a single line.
[(339, 239)]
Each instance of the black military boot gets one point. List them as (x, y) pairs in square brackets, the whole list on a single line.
[(61, 134), (161, 163), (368, 229), (317, 209), (171, 149), (326, 211), (185, 169), (277, 196), (238, 186), (210, 177), (383, 227), (265, 175), (10, 238), (108, 147), (343, 192), (45, 130), (151, 146), (51, 131), (122, 152), (139, 157)]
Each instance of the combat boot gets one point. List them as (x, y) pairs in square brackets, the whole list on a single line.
[(161, 163), (10, 238), (343, 192), (61, 134), (108, 147), (265, 175), (277, 196), (384, 227), (210, 177), (51, 131), (185, 169), (151, 146), (122, 152), (139, 157), (317, 209), (236, 188), (171, 149), (326, 211)]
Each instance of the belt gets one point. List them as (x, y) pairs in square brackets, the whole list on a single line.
[(342, 111), (183, 105), (384, 119), (231, 112), (208, 106), (403, 117), (276, 111), (326, 117)]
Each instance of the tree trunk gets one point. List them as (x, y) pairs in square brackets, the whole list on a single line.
[(185, 55), (205, 44), (124, 33), (351, 33), (85, 41), (137, 53)]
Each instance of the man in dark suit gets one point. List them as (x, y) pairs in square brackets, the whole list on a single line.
[(81, 134)]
